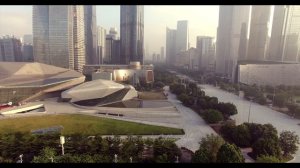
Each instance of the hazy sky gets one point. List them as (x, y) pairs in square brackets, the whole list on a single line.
[(203, 20)]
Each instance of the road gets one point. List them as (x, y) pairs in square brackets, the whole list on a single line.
[(193, 125), (258, 113)]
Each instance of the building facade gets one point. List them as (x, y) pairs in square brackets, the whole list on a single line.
[(27, 53), (132, 33), (170, 45), (101, 40), (182, 36), (206, 58), (162, 53), (259, 26), (284, 43), (90, 27), (10, 49), (230, 43), (58, 35), (269, 74), (27, 39)]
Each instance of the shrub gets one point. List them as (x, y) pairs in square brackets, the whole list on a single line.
[(241, 136), (267, 146), (229, 153), (267, 159), (212, 116)]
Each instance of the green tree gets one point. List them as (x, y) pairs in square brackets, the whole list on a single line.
[(267, 145), (280, 99), (229, 153), (241, 136), (46, 156), (212, 116), (165, 150), (227, 109), (288, 142), (227, 130), (186, 100), (256, 131), (267, 159), (209, 147)]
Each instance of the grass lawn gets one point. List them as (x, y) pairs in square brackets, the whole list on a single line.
[(152, 95), (83, 124)]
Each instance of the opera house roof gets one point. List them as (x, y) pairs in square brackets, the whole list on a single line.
[(25, 74), (99, 92)]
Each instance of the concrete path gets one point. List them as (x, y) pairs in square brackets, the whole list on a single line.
[(194, 126)]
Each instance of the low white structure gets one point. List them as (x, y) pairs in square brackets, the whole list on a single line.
[(269, 74), (99, 92)]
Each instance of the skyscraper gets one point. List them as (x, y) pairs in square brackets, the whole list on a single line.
[(132, 33), (27, 52), (260, 18), (162, 53), (90, 27), (233, 24), (170, 45), (182, 36), (40, 32), (27, 39), (284, 42), (10, 49), (113, 33), (206, 53), (79, 38), (58, 36), (101, 40)]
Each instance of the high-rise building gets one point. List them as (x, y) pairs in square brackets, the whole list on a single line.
[(182, 35), (109, 41), (101, 40), (162, 53), (112, 48), (10, 49), (113, 33), (79, 38), (90, 27), (170, 45), (115, 56), (284, 42), (230, 44), (27, 52), (40, 32), (206, 53), (259, 26), (132, 33), (27, 39), (58, 36)]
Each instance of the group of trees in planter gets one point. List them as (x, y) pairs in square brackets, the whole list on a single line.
[(255, 93), (210, 108), (83, 149), (263, 139), (213, 149)]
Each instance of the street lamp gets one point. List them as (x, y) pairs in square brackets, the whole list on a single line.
[(21, 158), (62, 141), (116, 158), (177, 159), (273, 96), (52, 160)]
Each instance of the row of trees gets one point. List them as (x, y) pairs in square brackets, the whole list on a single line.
[(263, 139), (210, 108), (83, 149), (213, 149)]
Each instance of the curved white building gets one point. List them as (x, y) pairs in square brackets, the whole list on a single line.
[(99, 92)]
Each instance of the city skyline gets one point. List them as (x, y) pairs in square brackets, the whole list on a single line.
[(160, 16)]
